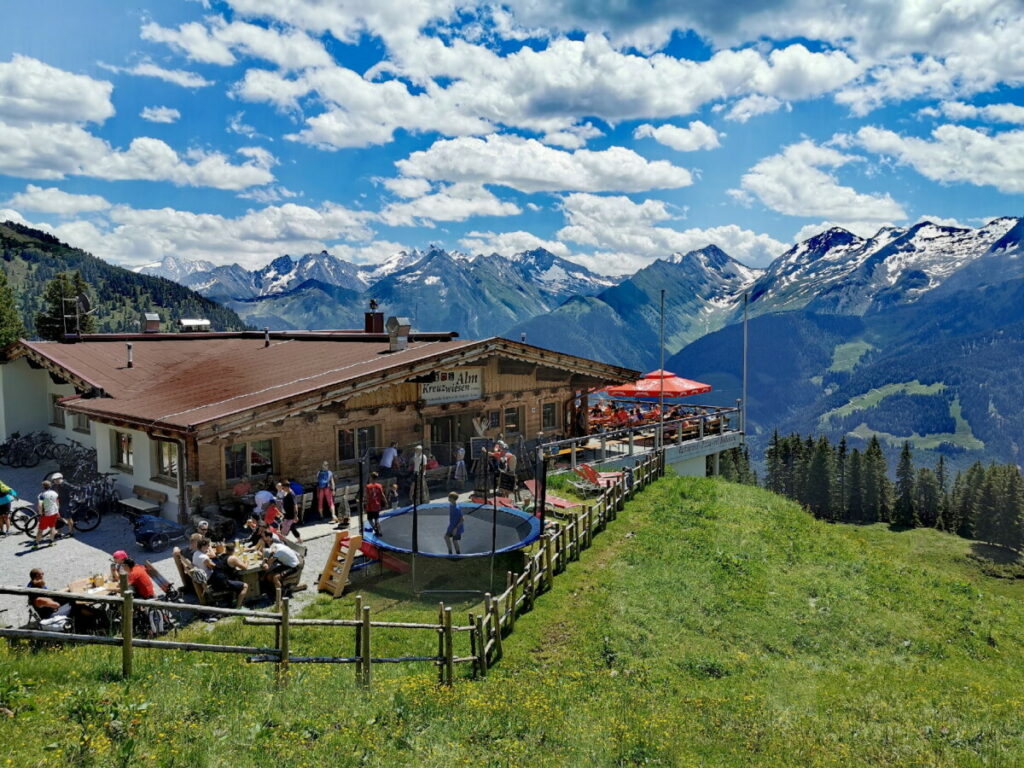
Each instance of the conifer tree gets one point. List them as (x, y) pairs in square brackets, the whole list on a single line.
[(942, 515), (926, 497), (986, 508), (11, 328), (968, 499), (59, 299), (855, 496), (840, 491), (904, 513), (774, 479), (1011, 509), (875, 482), (818, 486)]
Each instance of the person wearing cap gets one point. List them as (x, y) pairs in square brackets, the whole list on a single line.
[(203, 527), (117, 565), (64, 498), (48, 507)]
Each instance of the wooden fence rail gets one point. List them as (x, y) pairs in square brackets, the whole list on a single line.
[(488, 624)]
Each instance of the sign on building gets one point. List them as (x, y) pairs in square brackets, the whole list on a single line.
[(454, 386)]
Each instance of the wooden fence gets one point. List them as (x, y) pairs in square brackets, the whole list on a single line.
[(487, 627)]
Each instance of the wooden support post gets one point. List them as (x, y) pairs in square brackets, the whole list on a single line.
[(481, 645), (283, 647), (359, 640), (492, 608), (277, 598), (367, 666), (512, 601), (440, 643), (449, 647), (472, 646), (549, 549), (127, 616)]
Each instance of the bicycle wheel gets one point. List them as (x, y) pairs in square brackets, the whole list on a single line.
[(25, 519), (86, 518), (30, 457)]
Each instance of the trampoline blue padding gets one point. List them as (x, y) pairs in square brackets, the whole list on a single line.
[(508, 528)]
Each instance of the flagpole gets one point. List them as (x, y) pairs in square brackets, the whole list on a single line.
[(661, 385), (743, 414)]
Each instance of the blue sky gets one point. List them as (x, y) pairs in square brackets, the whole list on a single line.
[(611, 134)]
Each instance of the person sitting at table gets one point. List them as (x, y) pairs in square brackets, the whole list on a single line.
[(242, 488), (45, 607), (202, 560), (621, 417), (282, 560), (117, 565), (139, 580), (202, 527), (226, 577), (252, 528)]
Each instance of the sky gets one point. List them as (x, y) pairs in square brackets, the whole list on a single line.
[(610, 132)]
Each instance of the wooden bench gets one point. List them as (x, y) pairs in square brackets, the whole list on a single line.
[(145, 502)]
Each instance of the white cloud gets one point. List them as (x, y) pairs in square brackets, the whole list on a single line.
[(794, 184), (269, 194), (752, 106), (956, 153), (160, 114), (628, 236), (175, 76), (130, 236), (529, 166), (510, 243), (453, 202), (989, 113), (54, 200), (694, 137), (31, 91), (214, 44), (406, 187), (54, 151), (573, 137)]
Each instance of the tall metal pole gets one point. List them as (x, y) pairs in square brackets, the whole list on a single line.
[(661, 384), (743, 413)]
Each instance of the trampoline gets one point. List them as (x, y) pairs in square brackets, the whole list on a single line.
[(487, 530)]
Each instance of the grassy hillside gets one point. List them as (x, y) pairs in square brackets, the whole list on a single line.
[(711, 624), (32, 258)]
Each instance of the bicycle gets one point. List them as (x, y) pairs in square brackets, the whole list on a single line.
[(84, 516)]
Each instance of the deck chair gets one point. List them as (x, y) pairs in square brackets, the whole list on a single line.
[(584, 484), (601, 479)]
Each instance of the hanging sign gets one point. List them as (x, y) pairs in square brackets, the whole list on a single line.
[(454, 386)]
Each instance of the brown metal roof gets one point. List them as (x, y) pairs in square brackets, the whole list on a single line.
[(181, 382)]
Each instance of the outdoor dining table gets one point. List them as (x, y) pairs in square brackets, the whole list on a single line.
[(251, 573), (85, 586)]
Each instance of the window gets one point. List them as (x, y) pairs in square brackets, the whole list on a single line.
[(513, 420), (121, 452), (166, 459), (56, 412), (549, 416), (494, 420), (249, 459), (81, 423), (355, 442)]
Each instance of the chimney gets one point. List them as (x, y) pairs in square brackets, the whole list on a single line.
[(522, 338), (130, 363), (266, 336), (151, 323), (373, 320), (398, 333)]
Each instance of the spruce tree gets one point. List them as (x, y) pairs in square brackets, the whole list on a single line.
[(1011, 510), (967, 503), (774, 479), (855, 482), (818, 486), (904, 513), (11, 328), (926, 497), (986, 509), (59, 299), (840, 492), (875, 482), (942, 515)]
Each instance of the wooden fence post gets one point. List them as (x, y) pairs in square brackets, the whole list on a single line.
[(549, 548), (441, 666), (127, 621), (472, 646), (283, 646), (449, 647), (367, 665), (359, 640), (514, 578), (495, 620), (481, 644)]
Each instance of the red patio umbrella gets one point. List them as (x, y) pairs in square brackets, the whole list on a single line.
[(654, 383)]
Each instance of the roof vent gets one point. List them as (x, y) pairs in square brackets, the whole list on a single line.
[(373, 320), (151, 323), (398, 333)]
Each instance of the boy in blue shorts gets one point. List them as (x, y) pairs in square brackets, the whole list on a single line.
[(456, 526)]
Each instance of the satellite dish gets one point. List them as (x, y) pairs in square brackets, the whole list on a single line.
[(84, 304)]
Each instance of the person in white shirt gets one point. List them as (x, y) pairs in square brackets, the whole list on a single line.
[(201, 560), (282, 560), (262, 498), (48, 507)]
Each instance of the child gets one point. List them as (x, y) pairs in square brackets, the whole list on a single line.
[(7, 495), (456, 527), (393, 496)]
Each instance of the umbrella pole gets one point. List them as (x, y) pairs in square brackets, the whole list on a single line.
[(661, 387)]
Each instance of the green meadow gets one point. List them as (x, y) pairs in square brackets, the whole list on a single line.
[(710, 625)]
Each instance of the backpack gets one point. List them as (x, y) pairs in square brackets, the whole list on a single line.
[(199, 576)]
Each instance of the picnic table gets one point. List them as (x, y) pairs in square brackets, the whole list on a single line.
[(85, 586)]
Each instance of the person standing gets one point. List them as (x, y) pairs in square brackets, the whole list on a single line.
[(48, 507), (420, 493), (64, 502), (375, 501), (7, 497), (289, 512), (387, 460), (456, 526), (325, 491), (460, 474)]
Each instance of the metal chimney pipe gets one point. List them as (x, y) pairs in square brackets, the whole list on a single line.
[(522, 338), (130, 364), (266, 337)]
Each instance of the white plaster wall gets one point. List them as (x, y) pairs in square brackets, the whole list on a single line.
[(692, 467), (25, 394), (144, 460)]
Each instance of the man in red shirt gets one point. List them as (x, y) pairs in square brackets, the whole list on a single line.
[(139, 580)]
